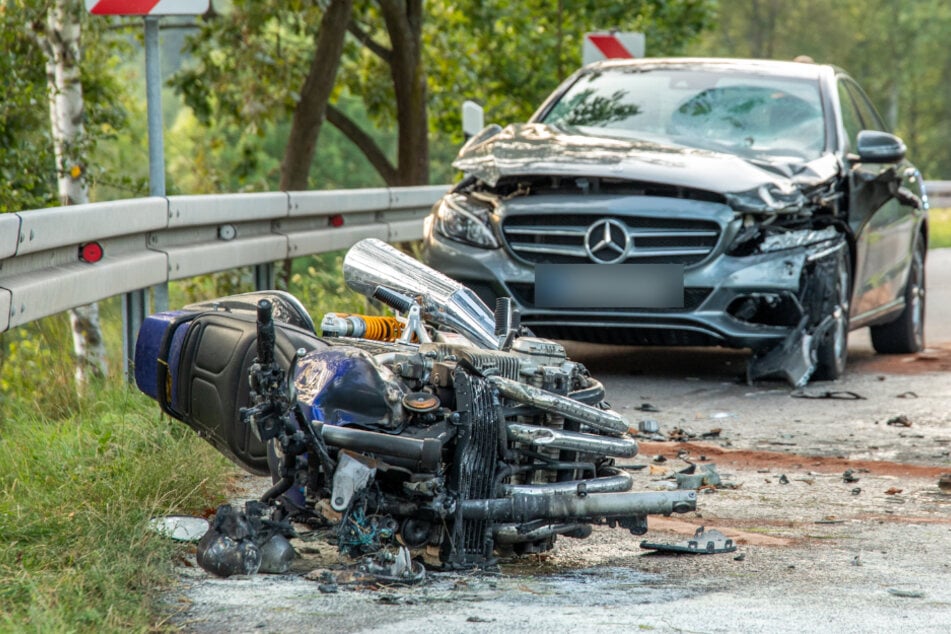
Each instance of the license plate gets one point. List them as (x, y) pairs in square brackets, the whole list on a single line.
[(609, 285)]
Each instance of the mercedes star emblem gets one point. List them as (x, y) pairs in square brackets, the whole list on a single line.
[(607, 241)]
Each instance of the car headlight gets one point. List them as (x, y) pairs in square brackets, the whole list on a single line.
[(795, 239), (460, 220)]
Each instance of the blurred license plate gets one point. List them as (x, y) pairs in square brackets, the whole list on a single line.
[(609, 285)]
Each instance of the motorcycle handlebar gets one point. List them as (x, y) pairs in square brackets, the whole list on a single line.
[(265, 333)]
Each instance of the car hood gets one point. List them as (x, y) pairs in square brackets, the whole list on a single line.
[(536, 149)]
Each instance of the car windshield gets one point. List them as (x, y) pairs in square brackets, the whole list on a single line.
[(748, 114)]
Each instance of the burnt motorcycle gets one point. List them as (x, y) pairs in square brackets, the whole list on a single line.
[(445, 428)]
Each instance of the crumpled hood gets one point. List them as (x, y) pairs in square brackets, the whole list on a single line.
[(536, 149)]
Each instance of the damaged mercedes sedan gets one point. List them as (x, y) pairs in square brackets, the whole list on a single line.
[(697, 202)]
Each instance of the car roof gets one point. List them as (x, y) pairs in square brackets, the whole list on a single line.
[(803, 70)]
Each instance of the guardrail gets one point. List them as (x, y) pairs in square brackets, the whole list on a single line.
[(151, 241), (939, 194)]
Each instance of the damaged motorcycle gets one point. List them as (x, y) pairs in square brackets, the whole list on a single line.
[(446, 430)]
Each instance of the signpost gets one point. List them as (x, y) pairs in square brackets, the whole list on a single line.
[(611, 45), (135, 304), (147, 7)]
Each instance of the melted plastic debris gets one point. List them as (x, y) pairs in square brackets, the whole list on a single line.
[(387, 567)]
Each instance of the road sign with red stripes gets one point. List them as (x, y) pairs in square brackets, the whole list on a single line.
[(611, 45), (147, 7)]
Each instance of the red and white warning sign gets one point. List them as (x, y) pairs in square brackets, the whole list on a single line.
[(611, 45), (147, 7)]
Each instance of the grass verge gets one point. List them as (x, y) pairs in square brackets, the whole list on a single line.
[(939, 228), (81, 476), (76, 493)]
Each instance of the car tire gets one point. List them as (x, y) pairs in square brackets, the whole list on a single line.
[(907, 333), (833, 351)]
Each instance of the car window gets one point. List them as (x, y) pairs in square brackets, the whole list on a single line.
[(723, 110), (870, 118), (851, 121)]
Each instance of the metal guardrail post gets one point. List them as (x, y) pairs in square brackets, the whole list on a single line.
[(264, 276), (134, 310)]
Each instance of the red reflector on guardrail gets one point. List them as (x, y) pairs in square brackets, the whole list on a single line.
[(90, 252), (336, 220)]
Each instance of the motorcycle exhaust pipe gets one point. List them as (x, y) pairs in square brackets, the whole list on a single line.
[(617, 483), (605, 420), (572, 441), (425, 453), (509, 533), (525, 508), (371, 264)]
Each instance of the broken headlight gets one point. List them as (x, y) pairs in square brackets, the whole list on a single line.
[(780, 241), (457, 218), (776, 198)]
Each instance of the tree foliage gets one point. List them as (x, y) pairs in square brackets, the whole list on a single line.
[(411, 64), (46, 153), (508, 56), (27, 165), (248, 67), (896, 50)]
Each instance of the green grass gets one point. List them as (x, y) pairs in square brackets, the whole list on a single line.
[(81, 475), (939, 228), (76, 493)]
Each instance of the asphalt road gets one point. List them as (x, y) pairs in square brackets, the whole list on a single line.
[(817, 551)]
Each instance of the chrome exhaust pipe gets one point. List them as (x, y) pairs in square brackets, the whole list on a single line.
[(509, 533), (547, 437), (526, 508), (371, 264), (606, 420), (617, 483)]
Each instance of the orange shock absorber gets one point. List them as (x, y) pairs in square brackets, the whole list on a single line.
[(363, 326), (381, 328)]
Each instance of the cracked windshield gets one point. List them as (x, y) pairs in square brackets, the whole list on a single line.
[(743, 114)]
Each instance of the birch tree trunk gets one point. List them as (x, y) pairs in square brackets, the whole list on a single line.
[(60, 40)]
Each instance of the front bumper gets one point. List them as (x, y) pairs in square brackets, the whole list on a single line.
[(739, 302)]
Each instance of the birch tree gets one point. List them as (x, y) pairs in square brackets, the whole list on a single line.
[(59, 36)]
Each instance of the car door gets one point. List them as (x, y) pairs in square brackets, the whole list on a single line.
[(883, 224)]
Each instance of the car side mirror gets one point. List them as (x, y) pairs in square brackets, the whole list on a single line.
[(473, 119), (879, 147)]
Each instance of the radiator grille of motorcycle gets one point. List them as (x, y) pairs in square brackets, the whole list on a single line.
[(474, 469)]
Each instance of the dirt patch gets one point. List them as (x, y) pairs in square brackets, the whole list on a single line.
[(742, 458), (681, 527), (932, 359), (906, 519)]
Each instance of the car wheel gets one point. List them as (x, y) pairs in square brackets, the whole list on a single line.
[(907, 333), (833, 350)]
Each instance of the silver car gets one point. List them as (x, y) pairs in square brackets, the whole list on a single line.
[(684, 202)]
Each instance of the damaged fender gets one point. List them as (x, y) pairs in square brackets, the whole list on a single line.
[(823, 309)]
